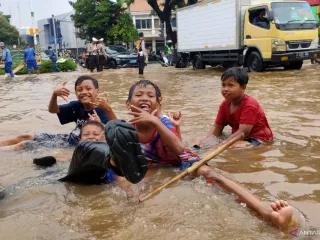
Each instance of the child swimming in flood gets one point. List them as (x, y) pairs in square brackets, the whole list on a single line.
[(96, 162), (240, 111), (86, 90), (162, 144)]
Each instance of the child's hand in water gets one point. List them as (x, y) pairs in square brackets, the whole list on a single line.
[(94, 116), (175, 118), (142, 116), (62, 91), (102, 102)]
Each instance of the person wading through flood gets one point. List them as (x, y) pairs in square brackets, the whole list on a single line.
[(93, 55), (141, 50), (102, 55)]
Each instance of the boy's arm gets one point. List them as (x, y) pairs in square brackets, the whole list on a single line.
[(62, 92), (103, 103), (173, 142), (53, 105)]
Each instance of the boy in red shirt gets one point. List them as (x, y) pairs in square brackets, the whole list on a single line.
[(240, 111)]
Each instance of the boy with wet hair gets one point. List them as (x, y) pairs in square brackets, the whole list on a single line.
[(96, 162), (240, 111), (79, 111), (162, 144)]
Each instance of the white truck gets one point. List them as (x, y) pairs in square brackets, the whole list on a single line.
[(236, 32)]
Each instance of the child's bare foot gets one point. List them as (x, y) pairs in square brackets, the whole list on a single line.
[(282, 213)]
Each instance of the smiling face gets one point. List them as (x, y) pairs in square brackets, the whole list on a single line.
[(86, 92), (231, 90), (145, 98), (92, 133)]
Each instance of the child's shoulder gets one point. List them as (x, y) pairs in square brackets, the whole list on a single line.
[(248, 100)]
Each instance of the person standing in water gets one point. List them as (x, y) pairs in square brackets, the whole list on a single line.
[(53, 58), (102, 55), (30, 59), (7, 59), (93, 55)]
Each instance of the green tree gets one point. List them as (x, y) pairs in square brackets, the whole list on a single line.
[(100, 18), (8, 33), (124, 30)]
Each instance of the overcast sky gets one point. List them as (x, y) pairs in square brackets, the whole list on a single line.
[(42, 9)]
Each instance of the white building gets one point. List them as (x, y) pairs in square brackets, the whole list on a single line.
[(65, 32), (140, 11)]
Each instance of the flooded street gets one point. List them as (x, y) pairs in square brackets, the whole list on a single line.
[(38, 207)]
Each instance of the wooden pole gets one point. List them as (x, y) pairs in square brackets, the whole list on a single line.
[(196, 165)]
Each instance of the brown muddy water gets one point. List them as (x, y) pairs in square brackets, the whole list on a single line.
[(38, 207)]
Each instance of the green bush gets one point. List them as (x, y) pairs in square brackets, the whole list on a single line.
[(46, 67)]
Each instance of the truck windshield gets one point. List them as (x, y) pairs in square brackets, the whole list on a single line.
[(293, 15)]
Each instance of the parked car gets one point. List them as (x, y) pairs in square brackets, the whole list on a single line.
[(123, 57)]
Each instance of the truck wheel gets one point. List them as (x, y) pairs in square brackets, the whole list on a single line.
[(254, 62), (197, 63), (294, 65)]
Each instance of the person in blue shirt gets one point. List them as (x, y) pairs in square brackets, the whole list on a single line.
[(30, 59), (53, 57), (6, 57), (88, 106)]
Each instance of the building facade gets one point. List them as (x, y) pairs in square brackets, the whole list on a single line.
[(65, 33), (149, 24)]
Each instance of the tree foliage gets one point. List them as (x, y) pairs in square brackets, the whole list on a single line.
[(8, 33), (125, 30), (100, 19)]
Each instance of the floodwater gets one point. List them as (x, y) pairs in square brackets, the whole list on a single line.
[(36, 206)]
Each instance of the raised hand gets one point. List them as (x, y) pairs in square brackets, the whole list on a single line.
[(102, 102), (94, 116), (175, 118), (62, 91), (141, 116)]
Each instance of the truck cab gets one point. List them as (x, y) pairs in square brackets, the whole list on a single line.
[(279, 33)]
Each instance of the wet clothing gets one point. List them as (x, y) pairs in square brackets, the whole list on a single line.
[(248, 112), (141, 62), (93, 57), (8, 69), (29, 54), (30, 59), (70, 112), (53, 57), (32, 64), (7, 58), (74, 112), (90, 164), (6, 55), (156, 151)]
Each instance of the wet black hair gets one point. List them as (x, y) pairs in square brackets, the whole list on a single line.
[(92, 123), (144, 83), (239, 74), (86, 77)]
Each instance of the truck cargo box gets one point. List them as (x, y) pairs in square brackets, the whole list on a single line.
[(209, 25)]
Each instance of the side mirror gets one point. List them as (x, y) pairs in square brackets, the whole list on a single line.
[(271, 16)]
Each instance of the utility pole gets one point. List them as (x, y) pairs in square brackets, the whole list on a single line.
[(165, 33), (19, 15), (54, 33), (33, 27)]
